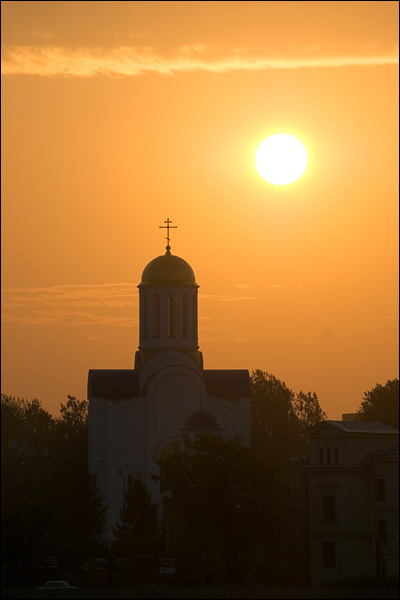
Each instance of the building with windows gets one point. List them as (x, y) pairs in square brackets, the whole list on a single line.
[(136, 415), (346, 502)]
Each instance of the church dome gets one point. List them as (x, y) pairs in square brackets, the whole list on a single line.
[(168, 269), (201, 419)]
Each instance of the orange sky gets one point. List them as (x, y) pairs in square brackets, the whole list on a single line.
[(117, 115)]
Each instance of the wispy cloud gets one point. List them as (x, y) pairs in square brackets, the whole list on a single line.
[(54, 61), (227, 298), (106, 304)]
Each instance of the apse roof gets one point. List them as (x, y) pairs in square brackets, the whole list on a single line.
[(201, 420)]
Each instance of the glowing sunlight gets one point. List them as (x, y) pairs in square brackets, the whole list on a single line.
[(281, 159)]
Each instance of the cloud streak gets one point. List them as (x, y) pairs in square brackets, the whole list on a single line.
[(54, 61), (227, 298), (106, 304), (86, 304)]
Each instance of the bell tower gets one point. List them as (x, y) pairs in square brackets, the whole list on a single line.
[(168, 318)]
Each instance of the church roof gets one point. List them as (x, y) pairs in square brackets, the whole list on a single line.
[(227, 383), (113, 383), (168, 269), (124, 383)]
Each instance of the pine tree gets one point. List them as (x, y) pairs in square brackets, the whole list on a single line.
[(97, 521), (137, 529)]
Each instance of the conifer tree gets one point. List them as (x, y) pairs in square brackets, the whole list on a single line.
[(97, 520), (137, 529)]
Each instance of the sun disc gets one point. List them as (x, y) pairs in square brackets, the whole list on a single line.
[(281, 159)]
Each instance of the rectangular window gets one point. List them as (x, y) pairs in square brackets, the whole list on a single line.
[(171, 315), (329, 555), (328, 456), (184, 315), (380, 490), (336, 456), (329, 508), (321, 456), (156, 333), (144, 316)]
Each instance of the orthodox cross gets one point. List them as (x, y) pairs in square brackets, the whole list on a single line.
[(168, 226)]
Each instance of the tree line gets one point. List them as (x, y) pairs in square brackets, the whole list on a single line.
[(227, 501)]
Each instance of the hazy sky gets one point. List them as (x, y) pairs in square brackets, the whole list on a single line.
[(119, 115)]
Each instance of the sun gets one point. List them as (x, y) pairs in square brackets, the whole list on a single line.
[(281, 159)]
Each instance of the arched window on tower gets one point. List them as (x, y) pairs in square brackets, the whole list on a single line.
[(194, 316), (171, 315), (156, 316), (184, 315), (145, 313)]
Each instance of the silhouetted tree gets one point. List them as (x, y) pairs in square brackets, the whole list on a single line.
[(95, 526), (74, 417), (97, 511), (137, 529), (24, 423), (307, 409), (277, 418), (45, 496), (381, 404), (26, 494), (218, 503), (70, 481)]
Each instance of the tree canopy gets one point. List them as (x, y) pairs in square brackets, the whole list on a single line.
[(137, 528), (47, 496), (381, 404), (219, 501), (277, 418)]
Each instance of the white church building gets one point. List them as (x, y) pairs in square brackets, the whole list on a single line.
[(136, 415)]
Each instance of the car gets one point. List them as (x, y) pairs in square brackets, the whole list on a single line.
[(56, 585)]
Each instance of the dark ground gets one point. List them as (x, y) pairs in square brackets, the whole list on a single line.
[(212, 592)]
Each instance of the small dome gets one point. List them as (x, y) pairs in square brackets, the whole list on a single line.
[(168, 270), (201, 419)]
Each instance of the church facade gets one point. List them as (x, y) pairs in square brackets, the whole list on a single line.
[(138, 415)]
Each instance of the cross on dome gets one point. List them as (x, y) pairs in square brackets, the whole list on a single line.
[(168, 226)]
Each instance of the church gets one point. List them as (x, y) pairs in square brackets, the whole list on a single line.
[(138, 415)]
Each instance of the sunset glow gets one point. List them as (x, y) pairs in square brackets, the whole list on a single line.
[(281, 159), (119, 115)]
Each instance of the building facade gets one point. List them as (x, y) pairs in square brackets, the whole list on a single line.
[(346, 503), (136, 415)]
